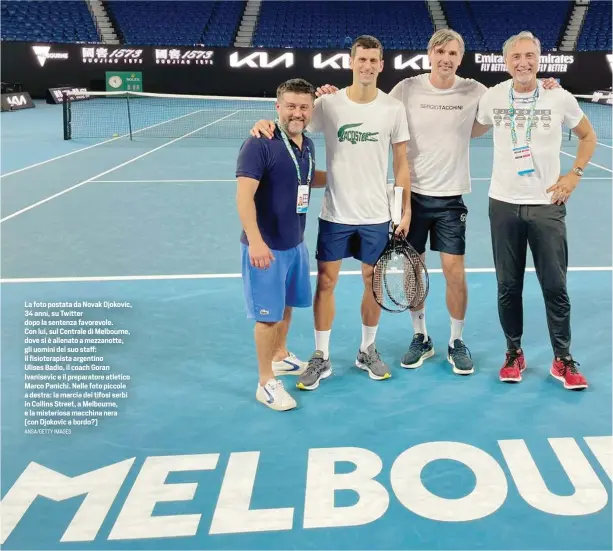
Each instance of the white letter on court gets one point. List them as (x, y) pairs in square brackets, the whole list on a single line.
[(319, 509), (590, 495), (100, 486), (602, 448), (488, 495), (232, 514), (135, 520)]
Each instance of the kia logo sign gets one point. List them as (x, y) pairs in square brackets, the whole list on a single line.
[(416, 62), (261, 60), (338, 61)]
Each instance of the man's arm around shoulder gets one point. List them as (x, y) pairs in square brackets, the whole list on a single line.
[(483, 121)]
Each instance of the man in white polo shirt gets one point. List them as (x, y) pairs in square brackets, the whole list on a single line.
[(528, 196)]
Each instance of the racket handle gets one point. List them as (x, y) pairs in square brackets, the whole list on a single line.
[(397, 212)]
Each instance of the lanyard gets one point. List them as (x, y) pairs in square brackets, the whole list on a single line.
[(293, 156), (530, 116)]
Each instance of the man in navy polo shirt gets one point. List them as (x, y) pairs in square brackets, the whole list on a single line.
[(274, 182)]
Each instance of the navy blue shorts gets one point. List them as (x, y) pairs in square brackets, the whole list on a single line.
[(443, 219), (364, 243), (287, 282)]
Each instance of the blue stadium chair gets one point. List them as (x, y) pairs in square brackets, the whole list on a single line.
[(48, 21), (179, 23), (596, 31), (486, 25), (399, 25)]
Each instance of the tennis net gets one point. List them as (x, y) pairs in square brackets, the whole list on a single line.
[(150, 115), (597, 108)]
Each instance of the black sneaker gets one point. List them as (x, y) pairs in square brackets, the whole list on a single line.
[(459, 357), (419, 351)]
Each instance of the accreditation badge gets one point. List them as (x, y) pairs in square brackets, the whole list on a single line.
[(523, 160), (302, 202)]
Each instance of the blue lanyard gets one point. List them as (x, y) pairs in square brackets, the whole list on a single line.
[(532, 100), (293, 156)]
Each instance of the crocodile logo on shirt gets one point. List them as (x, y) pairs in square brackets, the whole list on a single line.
[(345, 134)]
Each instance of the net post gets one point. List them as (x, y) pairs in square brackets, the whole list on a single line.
[(66, 117), (129, 116)]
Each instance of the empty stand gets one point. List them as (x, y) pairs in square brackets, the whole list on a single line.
[(399, 25), (486, 25), (596, 30), (164, 23), (461, 19), (406, 25), (48, 21)]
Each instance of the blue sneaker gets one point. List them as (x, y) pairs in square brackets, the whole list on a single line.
[(419, 351), (459, 357)]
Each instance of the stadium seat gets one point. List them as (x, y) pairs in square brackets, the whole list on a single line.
[(596, 31), (399, 25), (486, 25), (168, 22), (48, 21)]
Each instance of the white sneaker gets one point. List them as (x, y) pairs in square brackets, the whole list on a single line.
[(289, 366), (274, 395)]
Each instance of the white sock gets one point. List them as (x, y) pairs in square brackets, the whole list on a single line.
[(419, 322), (457, 326), (368, 336), (322, 342)]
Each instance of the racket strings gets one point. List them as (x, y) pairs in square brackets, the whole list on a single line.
[(400, 280)]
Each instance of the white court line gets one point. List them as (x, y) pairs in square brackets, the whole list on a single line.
[(96, 145), (110, 170), (589, 163), (605, 145), (583, 178), (234, 180), (156, 181), (234, 275)]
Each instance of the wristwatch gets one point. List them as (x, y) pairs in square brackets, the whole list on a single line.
[(578, 171)]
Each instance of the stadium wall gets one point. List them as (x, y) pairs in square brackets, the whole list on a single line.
[(257, 72)]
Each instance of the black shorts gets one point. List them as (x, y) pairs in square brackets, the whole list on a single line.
[(443, 219)]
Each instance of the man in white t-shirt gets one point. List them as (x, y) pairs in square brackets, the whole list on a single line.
[(441, 108), (528, 196), (360, 124)]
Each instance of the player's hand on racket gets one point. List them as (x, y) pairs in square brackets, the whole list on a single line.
[(402, 230), (260, 255), (325, 89), (550, 83), (562, 189), (263, 128)]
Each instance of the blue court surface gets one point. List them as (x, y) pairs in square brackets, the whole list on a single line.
[(424, 460)]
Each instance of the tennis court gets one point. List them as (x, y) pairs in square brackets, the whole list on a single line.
[(425, 460)]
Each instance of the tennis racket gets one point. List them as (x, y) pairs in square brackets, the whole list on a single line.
[(400, 280)]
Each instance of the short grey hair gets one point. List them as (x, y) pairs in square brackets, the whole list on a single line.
[(524, 35), (442, 37)]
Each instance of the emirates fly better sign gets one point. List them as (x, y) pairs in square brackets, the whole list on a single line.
[(549, 63)]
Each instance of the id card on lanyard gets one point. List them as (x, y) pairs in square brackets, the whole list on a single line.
[(304, 189), (522, 154)]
